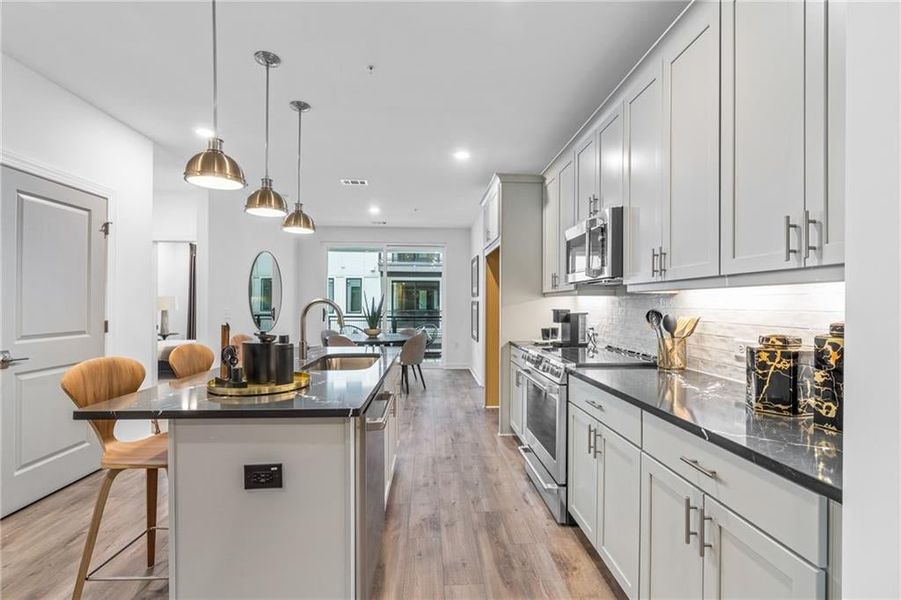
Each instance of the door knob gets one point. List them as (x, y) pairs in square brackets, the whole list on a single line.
[(7, 359)]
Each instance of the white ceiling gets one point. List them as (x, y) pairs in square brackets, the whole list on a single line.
[(510, 82)]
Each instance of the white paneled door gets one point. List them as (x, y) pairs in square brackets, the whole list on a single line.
[(53, 294)]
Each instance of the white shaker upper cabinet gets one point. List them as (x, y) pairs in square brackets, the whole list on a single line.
[(691, 89), (644, 138), (763, 146), (551, 242), (610, 158), (743, 562), (671, 563), (567, 193), (491, 217), (586, 177)]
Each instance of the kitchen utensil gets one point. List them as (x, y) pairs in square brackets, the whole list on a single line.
[(685, 326), (669, 325), (654, 319)]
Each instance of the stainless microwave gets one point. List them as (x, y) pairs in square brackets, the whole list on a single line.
[(594, 248)]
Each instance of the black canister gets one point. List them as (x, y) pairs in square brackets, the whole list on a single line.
[(258, 361), (283, 355), (829, 378), (773, 376)]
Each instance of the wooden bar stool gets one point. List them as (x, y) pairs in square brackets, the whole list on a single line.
[(190, 359), (93, 381)]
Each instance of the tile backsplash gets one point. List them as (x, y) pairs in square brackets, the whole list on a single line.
[(728, 316)]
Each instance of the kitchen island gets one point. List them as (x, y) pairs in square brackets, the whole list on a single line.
[(276, 496)]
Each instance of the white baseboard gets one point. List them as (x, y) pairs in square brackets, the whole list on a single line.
[(476, 377), (449, 366)]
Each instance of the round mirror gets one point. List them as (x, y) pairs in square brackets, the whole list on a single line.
[(264, 291)]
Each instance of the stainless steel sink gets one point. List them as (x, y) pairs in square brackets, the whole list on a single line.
[(343, 363)]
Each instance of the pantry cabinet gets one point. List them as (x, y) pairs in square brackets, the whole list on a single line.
[(742, 561), (671, 563), (643, 110), (691, 195)]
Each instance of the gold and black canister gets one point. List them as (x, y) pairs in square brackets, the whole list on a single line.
[(829, 378), (773, 376)]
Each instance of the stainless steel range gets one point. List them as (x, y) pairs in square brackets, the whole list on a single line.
[(543, 373)]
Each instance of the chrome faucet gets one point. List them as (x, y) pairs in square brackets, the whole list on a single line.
[(303, 322)]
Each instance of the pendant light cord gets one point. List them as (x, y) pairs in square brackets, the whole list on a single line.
[(299, 121), (215, 80), (266, 147)]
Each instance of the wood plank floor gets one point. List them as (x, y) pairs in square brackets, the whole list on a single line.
[(463, 522)]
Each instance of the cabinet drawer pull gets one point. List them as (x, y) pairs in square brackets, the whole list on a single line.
[(697, 467), (702, 535), (807, 223), (596, 405), (788, 238), (688, 531)]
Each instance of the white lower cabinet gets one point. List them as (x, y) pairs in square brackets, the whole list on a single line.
[(517, 400), (604, 494), (742, 561), (671, 563)]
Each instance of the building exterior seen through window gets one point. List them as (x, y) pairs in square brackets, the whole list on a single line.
[(409, 278)]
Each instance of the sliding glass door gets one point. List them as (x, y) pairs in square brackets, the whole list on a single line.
[(411, 278)]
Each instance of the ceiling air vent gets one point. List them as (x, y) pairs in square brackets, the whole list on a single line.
[(354, 182)]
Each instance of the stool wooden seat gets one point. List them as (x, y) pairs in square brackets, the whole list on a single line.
[(190, 359), (93, 381)]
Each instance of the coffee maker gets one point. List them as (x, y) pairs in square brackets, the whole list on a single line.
[(573, 328)]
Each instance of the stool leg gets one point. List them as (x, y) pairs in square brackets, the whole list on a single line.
[(152, 480), (89, 542), (421, 378)]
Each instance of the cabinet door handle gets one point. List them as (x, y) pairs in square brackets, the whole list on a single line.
[(688, 531), (697, 467), (653, 262), (662, 262), (590, 439), (702, 532), (807, 223), (597, 436), (788, 238)]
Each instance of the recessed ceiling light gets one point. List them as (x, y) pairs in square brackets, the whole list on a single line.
[(204, 132), (461, 154), (374, 210)]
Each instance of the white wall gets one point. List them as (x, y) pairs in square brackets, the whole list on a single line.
[(176, 216), (234, 240), (871, 552), (44, 124), (311, 275), (477, 355)]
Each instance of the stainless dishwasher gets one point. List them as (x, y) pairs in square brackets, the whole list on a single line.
[(370, 481)]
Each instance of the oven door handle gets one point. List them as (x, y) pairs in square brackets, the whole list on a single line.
[(550, 487), (539, 385)]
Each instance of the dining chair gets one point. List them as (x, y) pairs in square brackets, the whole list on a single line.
[(411, 355), (237, 341), (94, 381), (408, 331), (191, 359), (340, 340)]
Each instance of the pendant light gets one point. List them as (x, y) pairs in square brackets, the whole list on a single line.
[(266, 202), (214, 169), (299, 221)]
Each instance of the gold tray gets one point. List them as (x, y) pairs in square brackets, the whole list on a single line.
[(301, 380)]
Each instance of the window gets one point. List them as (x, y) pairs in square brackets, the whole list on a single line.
[(354, 290), (330, 293)]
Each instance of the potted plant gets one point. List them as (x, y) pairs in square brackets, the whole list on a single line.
[(373, 312)]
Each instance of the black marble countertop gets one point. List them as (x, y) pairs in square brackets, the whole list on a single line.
[(330, 394), (715, 409)]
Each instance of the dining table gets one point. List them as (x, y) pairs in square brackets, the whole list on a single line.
[(386, 338)]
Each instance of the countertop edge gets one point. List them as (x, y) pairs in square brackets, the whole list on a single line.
[(774, 466), (238, 413)]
